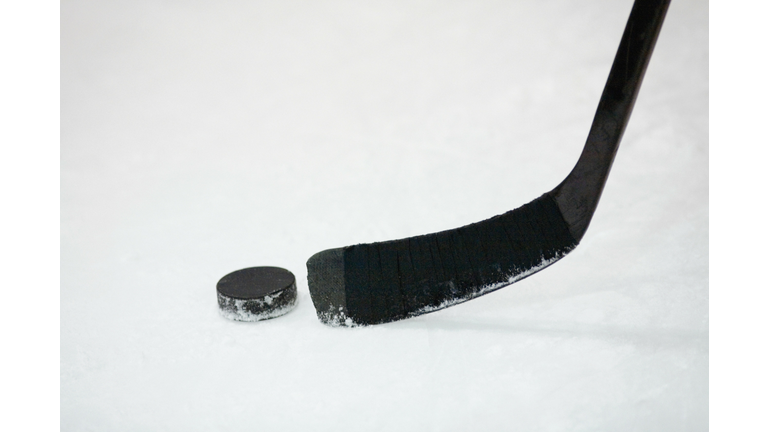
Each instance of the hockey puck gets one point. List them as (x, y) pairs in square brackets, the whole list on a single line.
[(256, 293)]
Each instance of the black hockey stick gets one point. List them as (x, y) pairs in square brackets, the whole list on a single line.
[(388, 281)]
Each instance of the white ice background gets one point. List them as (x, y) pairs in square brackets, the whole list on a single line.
[(201, 137)]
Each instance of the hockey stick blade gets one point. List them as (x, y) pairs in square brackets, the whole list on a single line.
[(388, 281)]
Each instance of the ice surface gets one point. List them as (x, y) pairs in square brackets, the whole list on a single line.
[(200, 138)]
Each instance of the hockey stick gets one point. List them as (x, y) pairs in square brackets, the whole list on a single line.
[(388, 281)]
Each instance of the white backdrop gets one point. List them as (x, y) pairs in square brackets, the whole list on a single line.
[(199, 138)]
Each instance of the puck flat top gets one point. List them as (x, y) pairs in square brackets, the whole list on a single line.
[(255, 282), (256, 293)]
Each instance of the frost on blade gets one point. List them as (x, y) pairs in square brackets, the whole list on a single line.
[(338, 318), (544, 263)]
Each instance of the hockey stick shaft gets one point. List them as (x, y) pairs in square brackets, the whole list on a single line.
[(578, 195)]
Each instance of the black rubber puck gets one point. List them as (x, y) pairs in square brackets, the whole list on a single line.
[(256, 293)]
